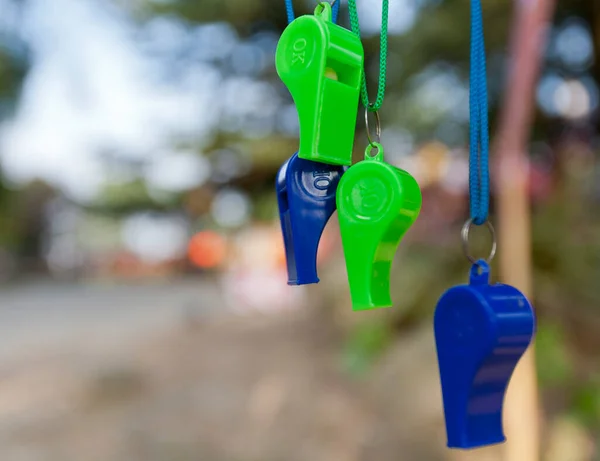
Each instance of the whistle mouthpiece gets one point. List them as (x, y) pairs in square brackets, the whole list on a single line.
[(377, 204), (306, 199), (481, 332), (321, 64)]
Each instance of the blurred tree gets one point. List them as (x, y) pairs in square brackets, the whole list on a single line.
[(121, 199), (14, 64), (29, 213)]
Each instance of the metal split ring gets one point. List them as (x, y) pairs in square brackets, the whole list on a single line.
[(464, 234), (377, 127)]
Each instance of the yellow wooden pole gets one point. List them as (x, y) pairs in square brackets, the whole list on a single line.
[(530, 26)]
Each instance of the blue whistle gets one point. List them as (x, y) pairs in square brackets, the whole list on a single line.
[(306, 199), (481, 333)]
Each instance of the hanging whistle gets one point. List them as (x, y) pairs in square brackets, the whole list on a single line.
[(321, 63), (306, 199), (377, 203), (481, 332)]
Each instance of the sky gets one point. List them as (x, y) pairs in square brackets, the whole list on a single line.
[(92, 90)]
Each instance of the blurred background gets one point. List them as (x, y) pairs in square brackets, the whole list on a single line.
[(144, 311)]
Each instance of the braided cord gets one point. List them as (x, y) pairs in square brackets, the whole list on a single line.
[(383, 48), (479, 180)]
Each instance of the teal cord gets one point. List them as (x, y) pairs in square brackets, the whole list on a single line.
[(479, 176)]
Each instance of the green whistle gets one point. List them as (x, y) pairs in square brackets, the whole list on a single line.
[(321, 64), (377, 203)]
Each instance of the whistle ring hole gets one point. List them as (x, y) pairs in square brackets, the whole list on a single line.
[(373, 149), (466, 229), (377, 127), (321, 6)]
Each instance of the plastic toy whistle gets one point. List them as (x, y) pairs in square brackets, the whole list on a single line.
[(377, 203), (321, 64), (306, 199), (481, 332)]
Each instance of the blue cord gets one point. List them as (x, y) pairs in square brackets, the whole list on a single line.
[(479, 179), (289, 8)]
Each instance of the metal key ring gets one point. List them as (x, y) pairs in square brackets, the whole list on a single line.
[(464, 234), (377, 127)]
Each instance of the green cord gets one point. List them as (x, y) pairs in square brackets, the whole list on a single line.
[(372, 107)]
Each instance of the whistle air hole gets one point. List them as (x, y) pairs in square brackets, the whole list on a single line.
[(342, 73), (330, 74)]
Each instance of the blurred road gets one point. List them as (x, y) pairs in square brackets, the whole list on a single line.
[(49, 314), (107, 372)]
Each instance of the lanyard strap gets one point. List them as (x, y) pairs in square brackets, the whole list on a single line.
[(479, 177), (383, 46), (289, 8)]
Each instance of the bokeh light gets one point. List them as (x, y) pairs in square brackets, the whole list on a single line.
[(231, 208), (178, 171), (573, 44), (207, 249), (155, 238)]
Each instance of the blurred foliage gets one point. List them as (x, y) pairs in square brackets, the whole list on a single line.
[(366, 342), (586, 403), (14, 65), (554, 366), (127, 197), (9, 234)]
